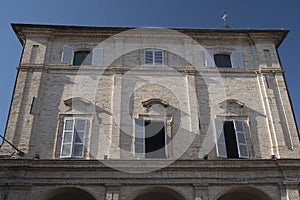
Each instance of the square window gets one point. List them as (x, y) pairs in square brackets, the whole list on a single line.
[(153, 57)]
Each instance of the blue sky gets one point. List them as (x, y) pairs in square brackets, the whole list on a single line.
[(145, 13)]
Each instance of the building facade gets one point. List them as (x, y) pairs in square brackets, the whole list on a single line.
[(141, 113)]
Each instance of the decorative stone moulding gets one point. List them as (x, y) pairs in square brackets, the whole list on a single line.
[(150, 102), (231, 103), (69, 102)]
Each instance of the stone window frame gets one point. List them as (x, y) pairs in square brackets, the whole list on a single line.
[(60, 134), (154, 58), (68, 54), (168, 134), (234, 118), (236, 58)]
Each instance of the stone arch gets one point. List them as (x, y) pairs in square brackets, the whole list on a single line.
[(245, 193), (68, 193), (157, 193)]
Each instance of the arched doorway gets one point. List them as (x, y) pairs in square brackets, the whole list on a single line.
[(245, 193), (157, 193), (69, 193)]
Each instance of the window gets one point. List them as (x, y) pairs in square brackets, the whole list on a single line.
[(153, 57), (73, 138), (149, 138), (231, 139), (222, 60), (81, 57), (232, 60)]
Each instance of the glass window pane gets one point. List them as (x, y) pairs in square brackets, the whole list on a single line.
[(78, 150), (243, 150), (221, 138), (222, 150), (241, 138), (239, 126), (222, 60), (218, 60), (82, 57), (139, 140), (87, 60), (66, 150), (67, 137), (79, 137), (69, 124), (226, 61), (80, 125), (139, 148)]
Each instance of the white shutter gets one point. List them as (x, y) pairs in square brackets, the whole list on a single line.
[(158, 58), (236, 59), (220, 139), (139, 138), (67, 55), (97, 56), (209, 58), (67, 138), (148, 57), (73, 139), (241, 139)]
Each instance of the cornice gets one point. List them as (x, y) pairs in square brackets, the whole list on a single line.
[(275, 36), (150, 70)]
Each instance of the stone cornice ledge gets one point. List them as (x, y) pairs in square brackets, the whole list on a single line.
[(210, 165), (142, 69)]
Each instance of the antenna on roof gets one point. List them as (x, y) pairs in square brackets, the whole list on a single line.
[(224, 16)]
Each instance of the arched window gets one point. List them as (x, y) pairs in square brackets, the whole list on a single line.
[(82, 58), (222, 60)]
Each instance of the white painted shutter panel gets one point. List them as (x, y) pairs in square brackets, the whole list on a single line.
[(236, 59), (241, 139), (158, 58), (209, 58), (220, 139), (148, 57), (139, 138), (67, 55), (97, 56), (67, 138)]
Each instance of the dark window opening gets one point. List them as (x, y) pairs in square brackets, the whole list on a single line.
[(222, 60), (230, 140), (155, 139), (82, 58)]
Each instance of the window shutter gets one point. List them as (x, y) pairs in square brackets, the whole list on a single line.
[(158, 58), (220, 139), (97, 56), (73, 139), (241, 139), (209, 58), (67, 55), (79, 137), (236, 59), (148, 57), (139, 138), (67, 139)]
